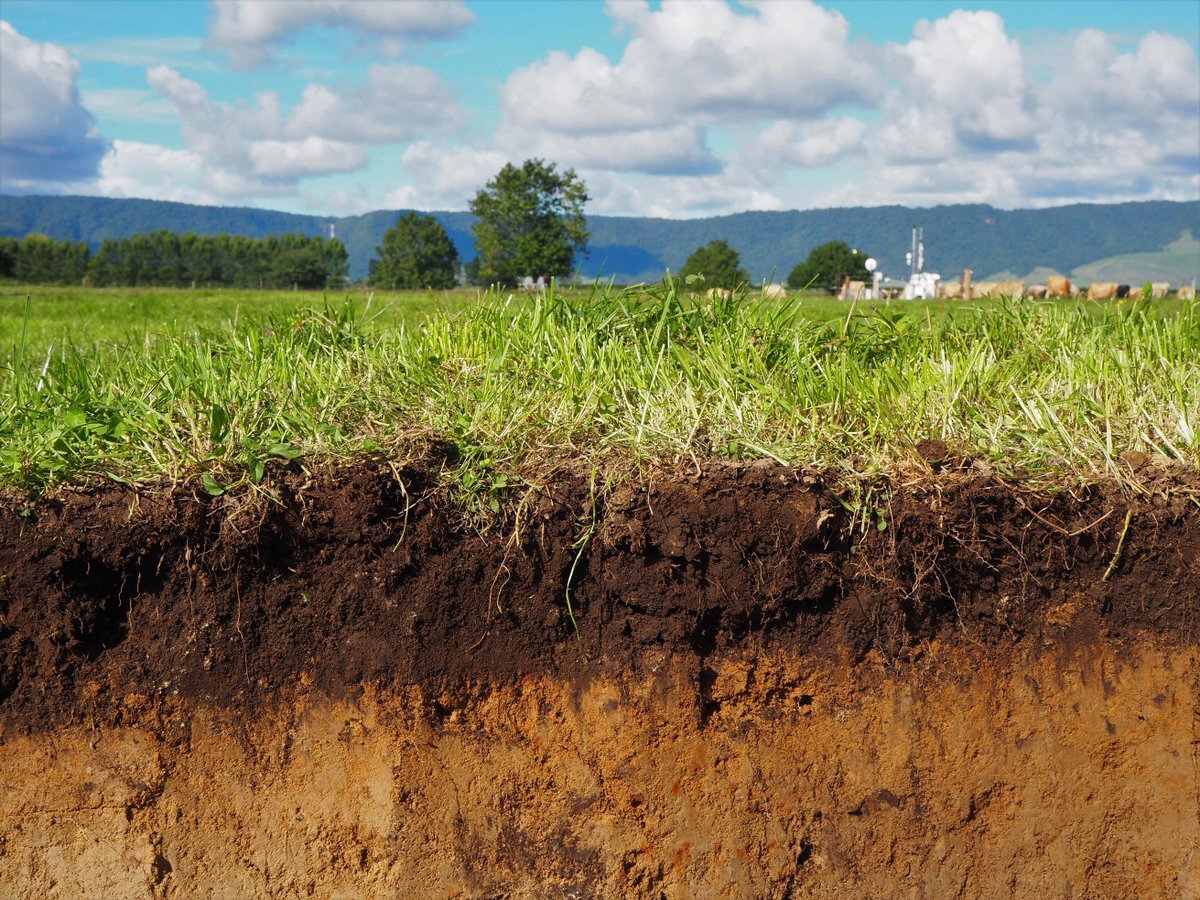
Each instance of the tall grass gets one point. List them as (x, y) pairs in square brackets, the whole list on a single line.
[(606, 378)]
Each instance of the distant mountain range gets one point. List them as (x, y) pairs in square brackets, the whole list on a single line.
[(1129, 242)]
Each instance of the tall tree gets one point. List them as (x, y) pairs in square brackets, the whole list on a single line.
[(416, 252), (529, 221), (718, 263), (828, 266)]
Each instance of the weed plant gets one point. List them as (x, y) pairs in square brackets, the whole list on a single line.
[(610, 378)]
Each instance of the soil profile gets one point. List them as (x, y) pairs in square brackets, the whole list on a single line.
[(724, 681)]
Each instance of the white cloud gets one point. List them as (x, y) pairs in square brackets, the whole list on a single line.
[(291, 160), (668, 150), (398, 102), (253, 146), (696, 61), (678, 197), (962, 87), (965, 122), (135, 169), (958, 117), (249, 29), (688, 65), (445, 177), (811, 145), (46, 135), (627, 12), (710, 108), (1095, 81)]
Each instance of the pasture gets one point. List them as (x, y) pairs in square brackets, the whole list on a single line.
[(138, 384)]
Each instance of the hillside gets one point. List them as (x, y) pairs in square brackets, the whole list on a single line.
[(1125, 242)]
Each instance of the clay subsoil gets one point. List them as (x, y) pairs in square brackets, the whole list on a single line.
[(707, 682)]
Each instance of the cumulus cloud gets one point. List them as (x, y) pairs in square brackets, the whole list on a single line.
[(291, 160), (669, 150), (696, 60), (46, 135), (1097, 82), (688, 65), (961, 88), (964, 121), (680, 197), (445, 177), (250, 29), (811, 145), (136, 169), (397, 103), (954, 114), (254, 146)]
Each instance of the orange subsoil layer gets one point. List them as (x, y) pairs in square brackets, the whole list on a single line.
[(962, 773)]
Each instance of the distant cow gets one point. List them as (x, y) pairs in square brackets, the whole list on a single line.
[(1122, 291), (1102, 290), (950, 289), (1159, 289), (1036, 292), (1058, 286), (774, 291), (1186, 292), (1013, 288), (719, 294), (852, 290), (984, 288)]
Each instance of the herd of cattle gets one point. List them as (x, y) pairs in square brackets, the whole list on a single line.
[(1055, 286)]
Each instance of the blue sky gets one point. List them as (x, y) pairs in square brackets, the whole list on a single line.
[(677, 108)]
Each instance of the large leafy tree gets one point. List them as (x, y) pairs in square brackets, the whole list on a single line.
[(529, 221), (416, 252), (828, 266), (718, 263)]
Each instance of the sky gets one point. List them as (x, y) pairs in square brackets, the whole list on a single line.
[(677, 109)]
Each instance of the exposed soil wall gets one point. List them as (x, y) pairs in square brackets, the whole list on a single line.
[(344, 692)]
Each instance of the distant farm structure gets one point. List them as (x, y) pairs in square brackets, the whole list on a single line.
[(922, 285)]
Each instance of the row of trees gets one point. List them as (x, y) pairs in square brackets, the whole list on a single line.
[(166, 259), (39, 259), (827, 266), (528, 222)]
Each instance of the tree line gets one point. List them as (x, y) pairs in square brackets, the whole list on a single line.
[(529, 223), (164, 258)]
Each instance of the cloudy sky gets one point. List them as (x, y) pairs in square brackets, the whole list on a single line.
[(678, 108)]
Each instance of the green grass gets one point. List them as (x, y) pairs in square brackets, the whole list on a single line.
[(597, 379), (82, 316)]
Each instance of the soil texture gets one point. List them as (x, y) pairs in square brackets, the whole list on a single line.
[(719, 682)]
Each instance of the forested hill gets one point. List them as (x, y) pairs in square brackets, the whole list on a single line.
[(986, 239)]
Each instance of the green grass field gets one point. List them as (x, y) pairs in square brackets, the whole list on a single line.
[(83, 316), (48, 314), (212, 385)]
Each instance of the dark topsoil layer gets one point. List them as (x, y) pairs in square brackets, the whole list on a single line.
[(363, 572)]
